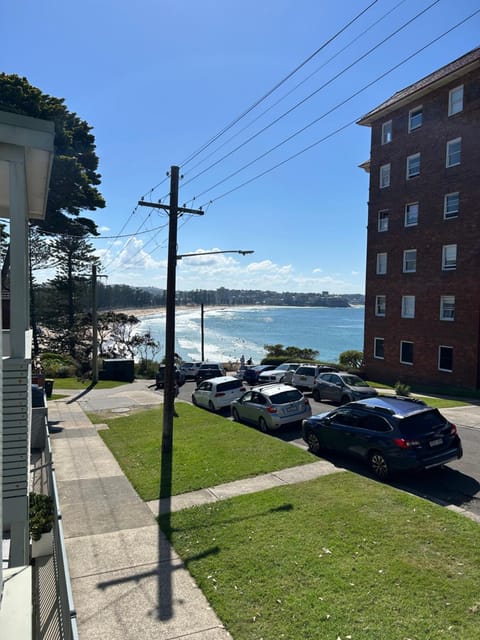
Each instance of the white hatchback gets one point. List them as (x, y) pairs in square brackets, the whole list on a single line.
[(217, 393)]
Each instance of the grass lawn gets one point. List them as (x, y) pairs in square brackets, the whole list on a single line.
[(75, 383), (341, 557), (207, 450)]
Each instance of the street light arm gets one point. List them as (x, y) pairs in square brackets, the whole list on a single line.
[(243, 252)]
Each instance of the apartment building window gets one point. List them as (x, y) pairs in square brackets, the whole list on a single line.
[(387, 132), (447, 308), (406, 352), (381, 263), (445, 358), (379, 348), (454, 152), (455, 101), (409, 261), (411, 214), (384, 176), (449, 257), (408, 306), (383, 220), (380, 305), (451, 205), (413, 166), (415, 118)]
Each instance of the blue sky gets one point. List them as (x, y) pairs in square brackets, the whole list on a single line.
[(157, 79)]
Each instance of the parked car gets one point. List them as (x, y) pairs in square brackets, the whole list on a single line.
[(190, 369), (217, 393), (278, 373), (250, 374), (287, 378), (271, 406), (389, 433), (209, 370), (160, 377), (304, 377), (342, 387)]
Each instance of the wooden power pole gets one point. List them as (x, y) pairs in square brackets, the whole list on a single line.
[(170, 383)]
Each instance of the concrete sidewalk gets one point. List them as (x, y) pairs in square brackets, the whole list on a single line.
[(128, 583)]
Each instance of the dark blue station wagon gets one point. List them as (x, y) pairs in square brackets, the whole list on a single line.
[(389, 433)]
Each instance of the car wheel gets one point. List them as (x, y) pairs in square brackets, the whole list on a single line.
[(313, 443), (379, 465), (235, 415), (344, 400), (262, 425), (211, 406), (316, 395)]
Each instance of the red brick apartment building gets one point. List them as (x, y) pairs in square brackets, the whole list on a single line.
[(422, 299)]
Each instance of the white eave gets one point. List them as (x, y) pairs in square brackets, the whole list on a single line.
[(29, 141)]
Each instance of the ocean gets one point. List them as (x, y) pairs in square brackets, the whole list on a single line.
[(230, 332)]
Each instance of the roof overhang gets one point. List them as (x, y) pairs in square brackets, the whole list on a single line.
[(29, 141)]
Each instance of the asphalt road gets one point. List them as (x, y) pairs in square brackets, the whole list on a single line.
[(457, 483)]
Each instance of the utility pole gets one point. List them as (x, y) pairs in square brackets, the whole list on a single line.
[(170, 383), (94, 325), (202, 328)]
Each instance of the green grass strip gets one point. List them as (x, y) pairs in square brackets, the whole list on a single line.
[(339, 557)]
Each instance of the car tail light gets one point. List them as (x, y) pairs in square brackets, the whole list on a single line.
[(406, 444), (219, 394), (271, 410), (242, 389), (453, 429)]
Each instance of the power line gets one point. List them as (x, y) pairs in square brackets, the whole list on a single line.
[(274, 88), (338, 130), (301, 102)]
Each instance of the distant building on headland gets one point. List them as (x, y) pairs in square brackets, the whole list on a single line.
[(422, 303)]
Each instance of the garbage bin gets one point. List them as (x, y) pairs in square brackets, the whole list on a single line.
[(49, 387)]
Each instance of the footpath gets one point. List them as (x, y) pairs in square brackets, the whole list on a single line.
[(128, 583)]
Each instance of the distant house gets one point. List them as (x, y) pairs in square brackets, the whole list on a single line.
[(422, 304)]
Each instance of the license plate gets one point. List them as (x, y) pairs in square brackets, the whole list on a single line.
[(436, 442), (292, 408)]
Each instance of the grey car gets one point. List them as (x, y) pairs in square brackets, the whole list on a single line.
[(341, 387), (271, 406)]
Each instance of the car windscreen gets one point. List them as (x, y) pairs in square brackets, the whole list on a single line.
[(354, 381), (284, 397), (229, 386), (421, 423)]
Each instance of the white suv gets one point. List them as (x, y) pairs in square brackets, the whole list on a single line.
[(304, 376), (278, 374), (217, 393)]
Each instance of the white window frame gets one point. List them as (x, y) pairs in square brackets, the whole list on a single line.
[(455, 197), (413, 116), (408, 306), (449, 263), (409, 207), (383, 220), (447, 308), (455, 100), (413, 165), (454, 153), (380, 306), (382, 261), (402, 342), (444, 346), (377, 341), (407, 259), (387, 132), (385, 170)]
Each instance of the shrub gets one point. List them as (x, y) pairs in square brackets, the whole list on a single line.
[(146, 369), (351, 359), (402, 389), (57, 365), (41, 515)]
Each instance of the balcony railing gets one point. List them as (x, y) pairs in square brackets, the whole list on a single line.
[(54, 615)]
